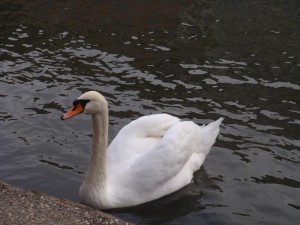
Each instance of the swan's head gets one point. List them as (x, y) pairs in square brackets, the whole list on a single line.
[(91, 102)]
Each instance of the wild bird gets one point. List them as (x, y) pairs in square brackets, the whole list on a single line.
[(149, 158)]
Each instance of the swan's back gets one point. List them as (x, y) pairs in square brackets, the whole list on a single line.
[(158, 156), (138, 137)]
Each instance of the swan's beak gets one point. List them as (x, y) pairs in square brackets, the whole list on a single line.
[(73, 112)]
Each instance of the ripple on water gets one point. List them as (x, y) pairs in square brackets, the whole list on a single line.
[(199, 66)]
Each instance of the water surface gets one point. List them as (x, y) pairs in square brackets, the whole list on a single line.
[(198, 60)]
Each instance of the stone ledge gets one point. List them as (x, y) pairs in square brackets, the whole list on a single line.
[(18, 206)]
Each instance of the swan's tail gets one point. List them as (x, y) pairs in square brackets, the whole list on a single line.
[(210, 133)]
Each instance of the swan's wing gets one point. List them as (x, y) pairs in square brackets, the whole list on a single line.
[(153, 173), (164, 160), (138, 137), (165, 167), (169, 165)]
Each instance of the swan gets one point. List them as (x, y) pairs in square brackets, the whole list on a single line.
[(150, 157)]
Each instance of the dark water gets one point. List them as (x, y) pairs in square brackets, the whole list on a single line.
[(197, 60)]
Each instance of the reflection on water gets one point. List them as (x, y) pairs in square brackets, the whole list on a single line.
[(196, 60)]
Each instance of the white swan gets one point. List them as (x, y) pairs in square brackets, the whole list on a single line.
[(150, 157)]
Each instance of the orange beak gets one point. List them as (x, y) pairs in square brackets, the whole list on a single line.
[(73, 112)]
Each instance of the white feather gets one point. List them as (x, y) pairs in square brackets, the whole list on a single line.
[(150, 157)]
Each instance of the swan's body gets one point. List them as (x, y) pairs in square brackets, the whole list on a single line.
[(150, 157)]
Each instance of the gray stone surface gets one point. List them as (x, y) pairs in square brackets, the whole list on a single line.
[(18, 206)]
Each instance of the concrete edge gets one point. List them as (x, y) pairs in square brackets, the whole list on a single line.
[(18, 206)]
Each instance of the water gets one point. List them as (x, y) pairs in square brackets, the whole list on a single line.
[(197, 60)]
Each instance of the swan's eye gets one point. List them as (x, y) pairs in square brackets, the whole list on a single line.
[(82, 102)]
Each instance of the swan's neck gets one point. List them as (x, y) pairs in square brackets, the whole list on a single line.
[(96, 173)]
